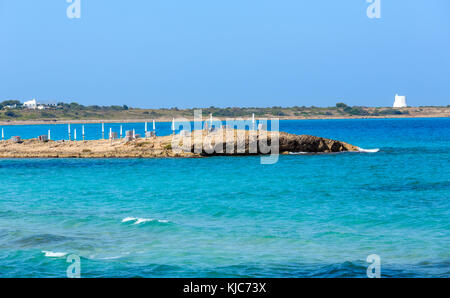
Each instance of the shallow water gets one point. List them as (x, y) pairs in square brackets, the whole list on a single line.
[(306, 216)]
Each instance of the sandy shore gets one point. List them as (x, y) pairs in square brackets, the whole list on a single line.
[(162, 146)]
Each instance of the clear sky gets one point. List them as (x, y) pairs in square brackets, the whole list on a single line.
[(201, 53)]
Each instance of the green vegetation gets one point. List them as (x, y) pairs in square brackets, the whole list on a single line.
[(11, 114), (13, 110), (389, 112), (7, 103)]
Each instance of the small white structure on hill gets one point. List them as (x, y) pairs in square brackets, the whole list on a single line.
[(31, 104), (400, 101)]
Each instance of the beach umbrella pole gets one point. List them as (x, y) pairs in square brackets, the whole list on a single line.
[(154, 128), (145, 129)]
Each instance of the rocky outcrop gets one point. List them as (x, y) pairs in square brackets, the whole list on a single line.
[(288, 143), (162, 146), (312, 144)]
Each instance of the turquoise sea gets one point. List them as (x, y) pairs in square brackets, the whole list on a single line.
[(305, 216)]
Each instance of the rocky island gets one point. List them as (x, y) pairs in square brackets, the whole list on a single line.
[(156, 147)]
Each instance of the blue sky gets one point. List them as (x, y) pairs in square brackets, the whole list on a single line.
[(199, 53)]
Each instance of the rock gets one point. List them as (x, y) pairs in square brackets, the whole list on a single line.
[(312, 144), (162, 146), (287, 143)]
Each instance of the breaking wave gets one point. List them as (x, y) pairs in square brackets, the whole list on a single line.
[(138, 220), (368, 150), (52, 254)]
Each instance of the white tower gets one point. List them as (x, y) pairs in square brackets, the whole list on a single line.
[(400, 101)]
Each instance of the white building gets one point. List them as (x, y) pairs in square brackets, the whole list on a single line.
[(31, 104), (400, 101)]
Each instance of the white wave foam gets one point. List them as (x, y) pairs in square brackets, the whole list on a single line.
[(110, 258), (368, 150), (297, 153), (138, 220), (52, 254), (143, 220)]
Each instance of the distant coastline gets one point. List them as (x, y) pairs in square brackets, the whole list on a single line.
[(167, 119), (15, 113)]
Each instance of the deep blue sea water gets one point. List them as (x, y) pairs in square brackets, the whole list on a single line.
[(305, 216)]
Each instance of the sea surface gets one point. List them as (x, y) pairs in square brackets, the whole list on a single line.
[(305, 216)]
